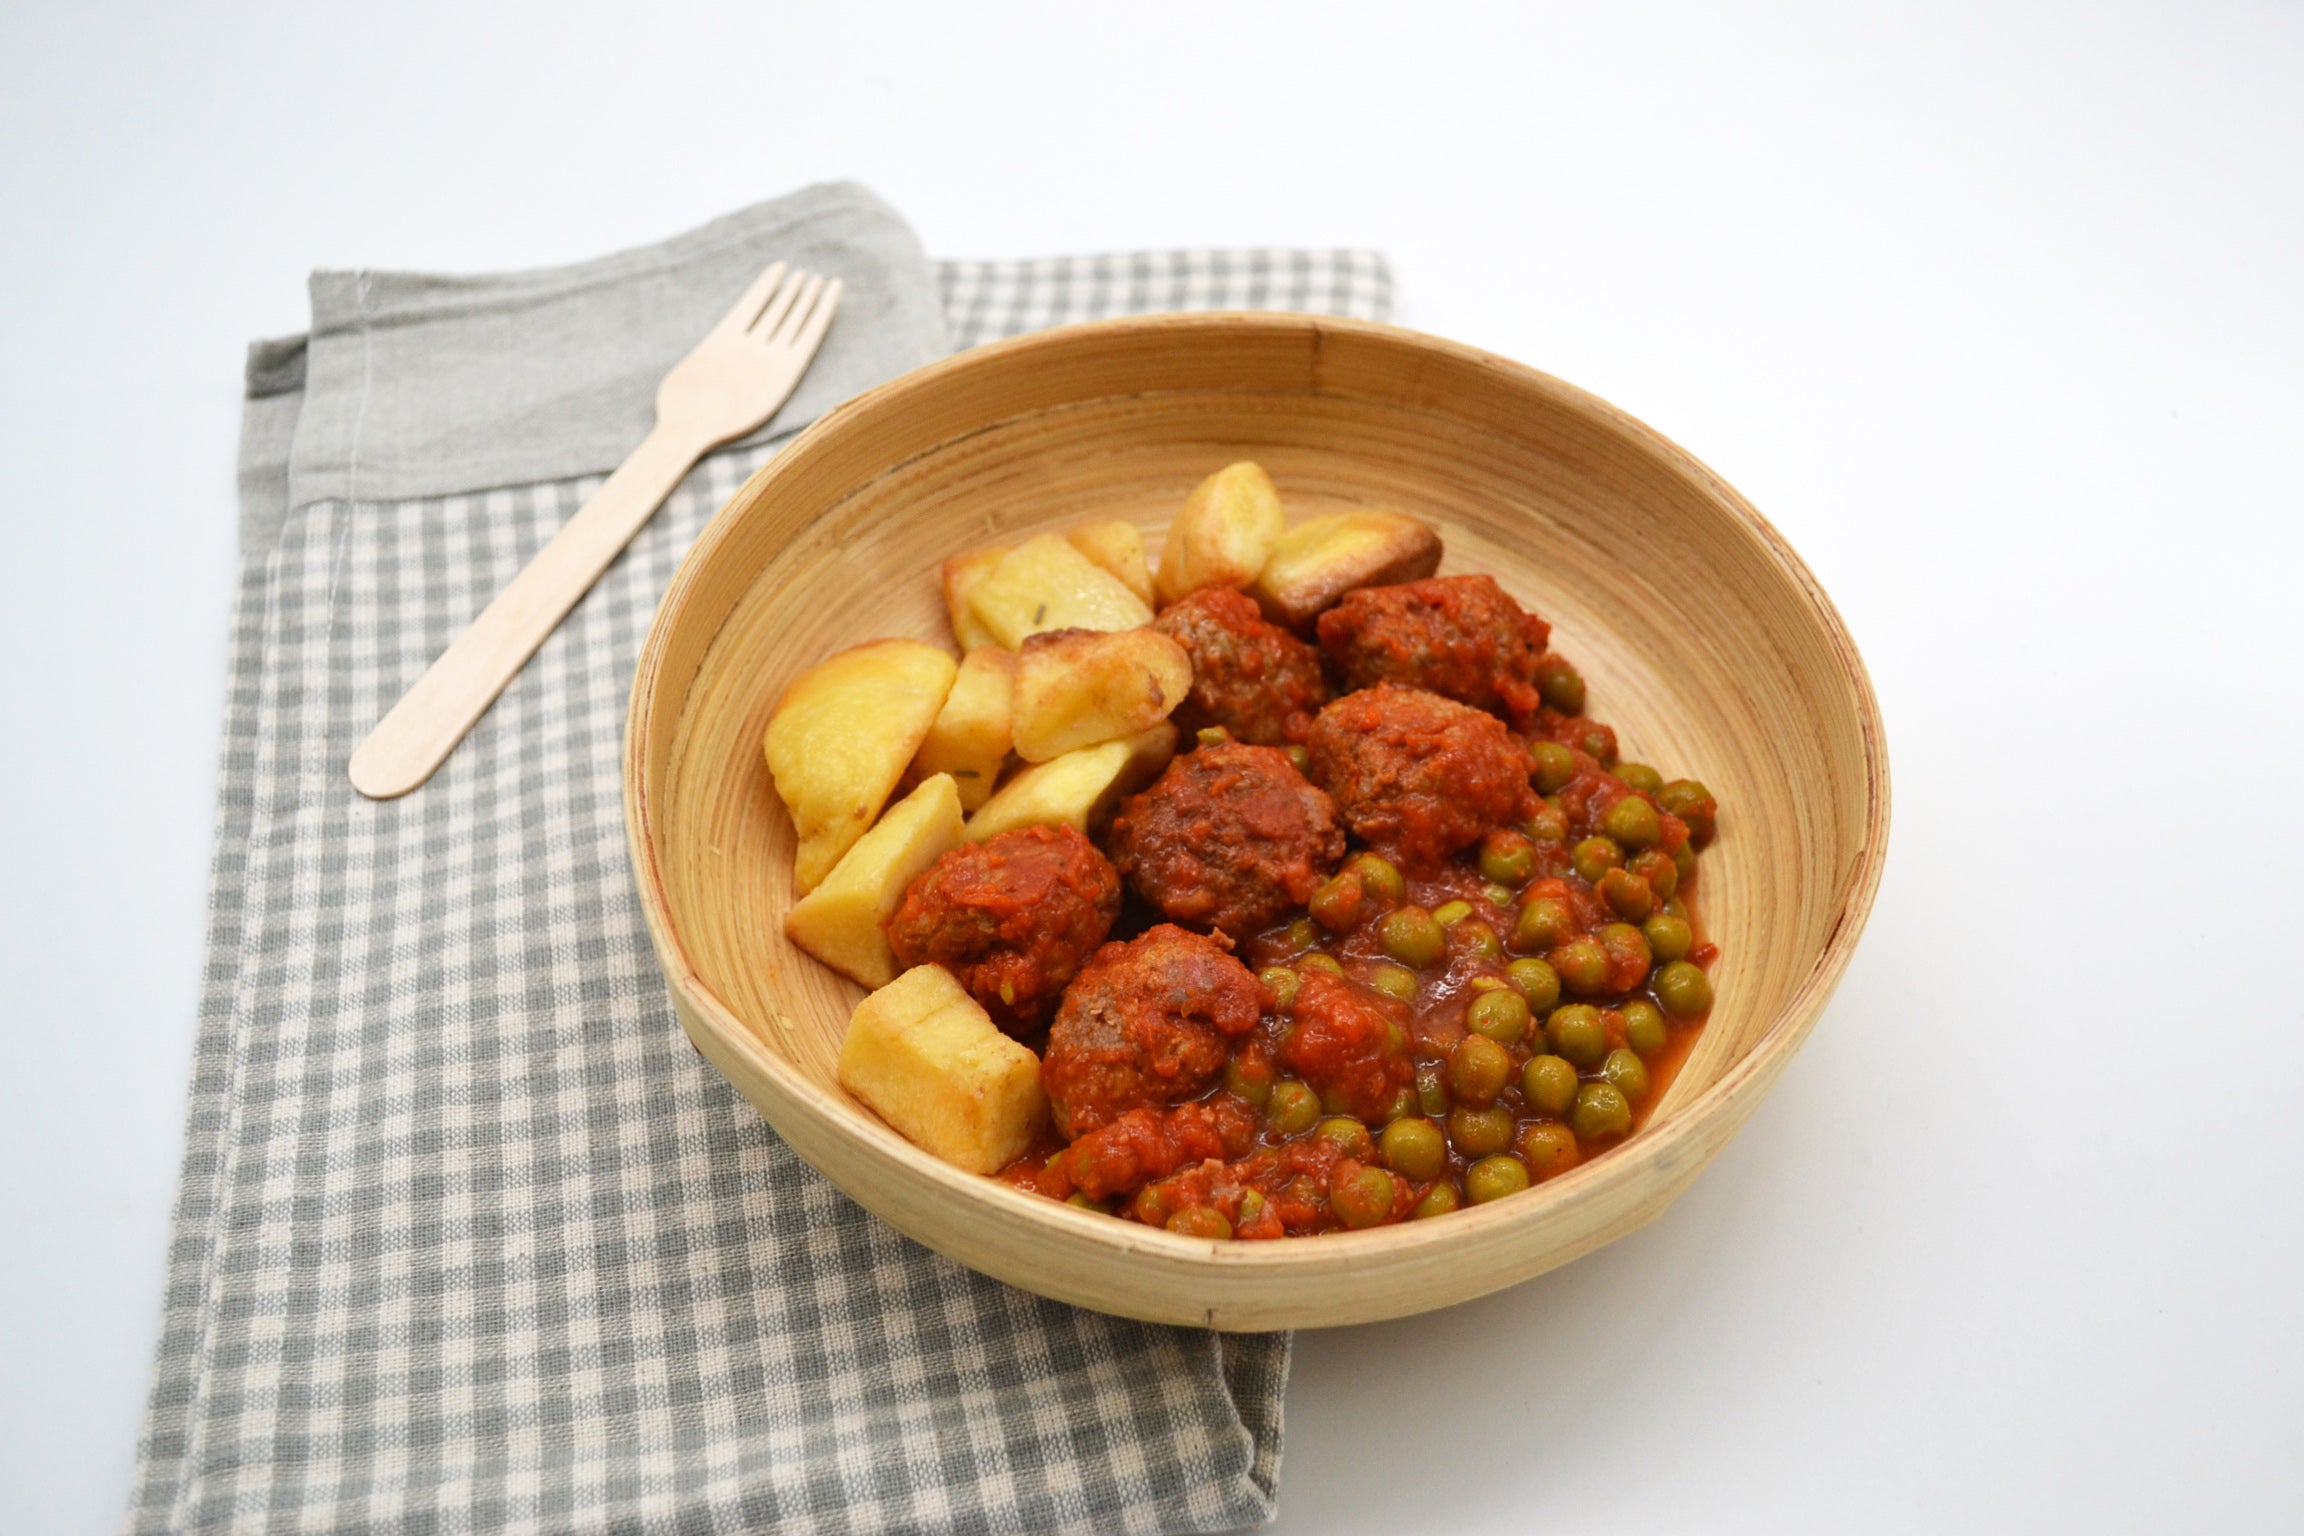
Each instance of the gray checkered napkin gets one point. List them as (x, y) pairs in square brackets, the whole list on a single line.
[(468, 1239)]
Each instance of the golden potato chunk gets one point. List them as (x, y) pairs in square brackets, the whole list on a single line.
[(1224, 534), (1080, 789), (1043, 584), (974, 730), (841, 738), (960, 577), (924, 1057), (1076, 687), (1119, 548), (1322, 558), (839, 921)]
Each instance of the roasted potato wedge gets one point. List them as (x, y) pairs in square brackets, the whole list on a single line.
[(1076, 687), (1043, 584), (974, 730), (1224, 534), (839, 921), (841, 738), (1322, 558), (961, 575), (1080, 789), (924, 1057), (1119, 548)]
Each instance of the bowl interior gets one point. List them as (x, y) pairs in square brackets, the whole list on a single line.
[(1703, 640)]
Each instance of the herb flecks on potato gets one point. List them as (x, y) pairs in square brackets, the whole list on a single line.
[(1075, 688), (972, 734), (1044, 584)]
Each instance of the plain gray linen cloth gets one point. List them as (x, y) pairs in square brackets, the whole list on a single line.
[(468, 1239)]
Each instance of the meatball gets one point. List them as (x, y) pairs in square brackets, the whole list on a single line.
[(1418, 776), (1145, 1023), (1249, 675), (1230, 837), (1350, 1043), (1012, 917), (1461, 637)]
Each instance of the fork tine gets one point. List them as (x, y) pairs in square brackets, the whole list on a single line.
[(762, 289), (777, 325), (811, 331), (781, 305)]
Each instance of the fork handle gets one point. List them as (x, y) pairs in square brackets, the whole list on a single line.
[(419, 732)]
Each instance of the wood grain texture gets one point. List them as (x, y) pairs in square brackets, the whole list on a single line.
[(1705, 641)]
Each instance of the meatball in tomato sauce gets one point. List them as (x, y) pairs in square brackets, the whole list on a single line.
[(1229, 837), (1416, 775), (1249, 675), (1462, 637), (1012, 917), (1145, 1024), (1350, 1043)]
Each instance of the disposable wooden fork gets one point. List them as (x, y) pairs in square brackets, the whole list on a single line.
[(738, 376)]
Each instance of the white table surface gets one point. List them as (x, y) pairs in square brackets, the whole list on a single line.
[(1994, 309)]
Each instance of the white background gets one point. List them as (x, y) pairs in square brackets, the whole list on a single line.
[(1994, 309)]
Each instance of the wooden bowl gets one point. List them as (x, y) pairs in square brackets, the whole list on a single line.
[(1706, 643)]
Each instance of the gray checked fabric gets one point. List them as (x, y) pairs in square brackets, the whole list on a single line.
[(468, 1238)]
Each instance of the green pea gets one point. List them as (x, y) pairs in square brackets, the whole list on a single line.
[(1600, 1110), (1476, 940), (1349, 1135), (1683, 989), (1292, 1107), (1668, 936), (1583, 965), (1415, 1149), (1629, 896), (1411, 936), (1320, 962), (1150, 1206), (1549, 823), (1594, 857), (1577, 1033), (1200, 1221), (1632, 821), (1627, 949), (1403, 1103), (1252, 1203), (1549, 1149), (1300, 759), (1656, 867), (1492, 1178), (1544, 922), (1335, 906), (1439, 1200), (1644, 1026), (1477, 1070), (1432, 1088), (1684, 860), (1549, 1085), (1212, 736), (1303, 934), (1538, 983), (1506, 857), (1550, 765), (1362, 1198), (1379, 877), (1501, 1016), (1250, 1078), (1498, 895), (1598, 743), (1560, 683), (1449, 913), (1394, 981), (1689, 800), (1480, 1133), (1282, 983), (1677, 908), (1640, 776), (1628, 1072)]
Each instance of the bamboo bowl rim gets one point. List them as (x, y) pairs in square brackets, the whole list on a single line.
[(1666, 1147)]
